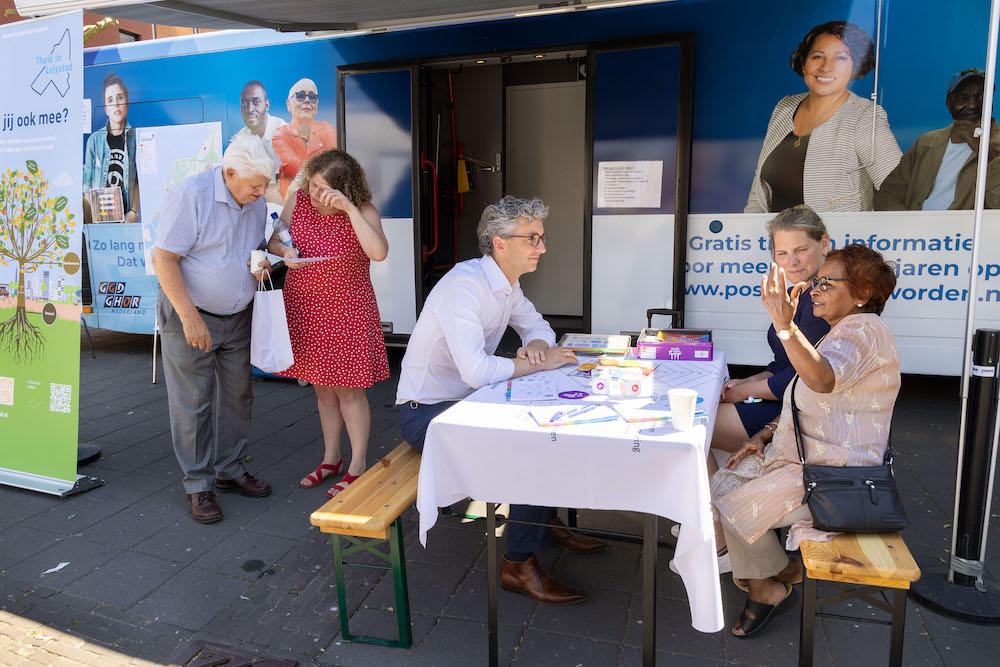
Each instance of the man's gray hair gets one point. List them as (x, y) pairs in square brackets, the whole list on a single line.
[(250, 155), (501, 219)]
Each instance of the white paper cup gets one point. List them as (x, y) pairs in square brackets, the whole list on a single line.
[(257, 257), (682, 402)]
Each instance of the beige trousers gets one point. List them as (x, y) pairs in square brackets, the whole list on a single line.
[(765, 557)]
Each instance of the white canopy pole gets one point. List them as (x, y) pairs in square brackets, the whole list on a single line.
[(970, 318)]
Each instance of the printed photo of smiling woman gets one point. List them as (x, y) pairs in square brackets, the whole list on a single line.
[(819, 148)]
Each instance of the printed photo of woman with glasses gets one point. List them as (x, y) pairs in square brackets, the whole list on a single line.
[(304, 136)]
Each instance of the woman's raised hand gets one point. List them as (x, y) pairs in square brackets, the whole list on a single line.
[(780, 303), (333, 198)]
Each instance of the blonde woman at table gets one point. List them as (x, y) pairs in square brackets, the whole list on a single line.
[(845, 394), (799, 244), (452, 352)]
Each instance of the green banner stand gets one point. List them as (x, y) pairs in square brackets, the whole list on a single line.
[(41, 218)]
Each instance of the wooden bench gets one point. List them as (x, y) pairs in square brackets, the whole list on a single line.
[(874, 562), (367, 514)]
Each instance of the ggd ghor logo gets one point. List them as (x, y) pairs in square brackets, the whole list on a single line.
[(115, 297)]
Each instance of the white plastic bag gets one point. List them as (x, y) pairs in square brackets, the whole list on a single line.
[(270, 345)]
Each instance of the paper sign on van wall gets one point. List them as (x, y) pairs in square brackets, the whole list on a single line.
[(629, 184)]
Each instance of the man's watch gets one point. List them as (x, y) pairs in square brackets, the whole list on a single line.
[(786, 334)]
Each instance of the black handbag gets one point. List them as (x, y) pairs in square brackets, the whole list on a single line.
[(855, 499)]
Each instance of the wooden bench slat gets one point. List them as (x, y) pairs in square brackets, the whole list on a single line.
[(369, 505), (879, 559)]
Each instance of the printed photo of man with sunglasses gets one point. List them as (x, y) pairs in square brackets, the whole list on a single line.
[(304, 135)]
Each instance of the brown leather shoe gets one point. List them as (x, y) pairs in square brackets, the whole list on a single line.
[(245, 485), (577, 543), (204, 507), (530, 578)]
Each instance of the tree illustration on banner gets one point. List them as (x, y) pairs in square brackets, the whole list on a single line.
[(34, 231)]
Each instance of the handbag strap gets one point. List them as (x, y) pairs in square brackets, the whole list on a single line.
[(800, 442), (795, 423)]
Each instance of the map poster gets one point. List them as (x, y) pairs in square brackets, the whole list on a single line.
[(40, 241), (166, 156)]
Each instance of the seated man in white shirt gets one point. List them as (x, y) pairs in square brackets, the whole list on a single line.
[(452, 352)]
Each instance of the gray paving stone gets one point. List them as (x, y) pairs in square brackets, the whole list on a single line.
[(75, 514), (166, 467), (245, 554), (128, 458), (674, 631), (631, 656), (615, 567), (602, 616), (186, 540), (129, 526), (955, 653), (81, 555), (289, 517), (544, 648), (21, 504), (431, 588), (445, 545), (460, 643), (851, 642), (170, 501), (125, 580), (192, 598), (20, 542), (375, 622)]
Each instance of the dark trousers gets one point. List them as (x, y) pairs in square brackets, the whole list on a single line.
[(414, 418)]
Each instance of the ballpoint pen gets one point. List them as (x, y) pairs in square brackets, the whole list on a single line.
[(556, 416), (579, 411)]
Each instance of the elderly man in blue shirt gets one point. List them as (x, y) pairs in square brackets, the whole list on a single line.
[(208, 225), (452, 352)]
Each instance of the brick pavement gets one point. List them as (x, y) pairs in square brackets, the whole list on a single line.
[(142, 579)]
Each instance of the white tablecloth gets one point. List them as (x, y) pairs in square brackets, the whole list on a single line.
[(492, 450)]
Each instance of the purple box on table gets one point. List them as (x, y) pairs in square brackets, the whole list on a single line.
[(675, 344)]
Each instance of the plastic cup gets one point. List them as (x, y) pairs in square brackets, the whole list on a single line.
[(682, 402), (256, 258)]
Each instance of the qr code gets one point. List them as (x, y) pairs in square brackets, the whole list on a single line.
[(60, 397), (6, 391)]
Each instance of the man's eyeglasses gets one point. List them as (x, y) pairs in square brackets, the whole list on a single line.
[(533, 239), (302, 96), (823, 283)]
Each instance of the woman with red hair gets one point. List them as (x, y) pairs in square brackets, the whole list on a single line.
[(845, 392)]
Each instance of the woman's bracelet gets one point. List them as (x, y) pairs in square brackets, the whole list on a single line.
[(770, 428)]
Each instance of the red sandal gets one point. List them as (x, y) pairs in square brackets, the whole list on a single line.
[(342, 485), (322, 472)]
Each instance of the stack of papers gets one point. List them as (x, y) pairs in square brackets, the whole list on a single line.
[(640, 410), (579, 414)]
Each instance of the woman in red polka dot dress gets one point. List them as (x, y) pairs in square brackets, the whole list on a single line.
[(333, 320)]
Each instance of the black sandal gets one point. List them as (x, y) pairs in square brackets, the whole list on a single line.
[(763, 613)]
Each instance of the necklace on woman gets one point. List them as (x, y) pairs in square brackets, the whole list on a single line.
[(832, 110)]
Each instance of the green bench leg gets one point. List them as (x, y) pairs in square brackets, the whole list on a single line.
[(397, 562)]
